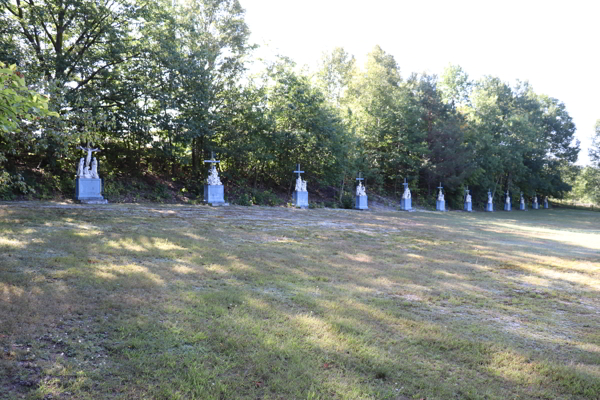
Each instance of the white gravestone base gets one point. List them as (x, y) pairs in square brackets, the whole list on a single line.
[(362, 203), (406, 204), (89, 191), (301, 199), (214, 195), (440, 205)]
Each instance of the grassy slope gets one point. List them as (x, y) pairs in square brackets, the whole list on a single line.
[(185, 302)]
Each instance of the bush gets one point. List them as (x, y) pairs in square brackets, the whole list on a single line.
[(161, 192), (265, 198), (348, 201), (10, 185), (244, 200), (114, 190)]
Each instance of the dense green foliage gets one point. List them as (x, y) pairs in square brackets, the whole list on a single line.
[(160, 85)]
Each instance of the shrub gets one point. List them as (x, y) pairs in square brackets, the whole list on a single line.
[(244, 200), (10, 185), (348, 201), (266, 198)]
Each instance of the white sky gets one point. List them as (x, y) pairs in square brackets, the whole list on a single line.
[(552, 44)]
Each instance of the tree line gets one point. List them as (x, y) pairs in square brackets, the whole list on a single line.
[(160, 84)]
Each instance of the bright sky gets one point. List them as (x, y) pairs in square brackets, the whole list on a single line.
[(552, 44)]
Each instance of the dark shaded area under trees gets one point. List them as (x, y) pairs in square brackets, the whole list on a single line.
[(159, 87)]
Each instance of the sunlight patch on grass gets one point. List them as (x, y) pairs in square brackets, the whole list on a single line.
[(88, 233), (105, 275), (183, 269), (219, 269), (194, 236), (450, 274), (591, 347), (589, 240), (412, 255), (359, 257), (513, 367), (165, 244), (9, 292), (114, 270), (318, 331), (536, 280), (126, 244), (14, 243), (573, 277)]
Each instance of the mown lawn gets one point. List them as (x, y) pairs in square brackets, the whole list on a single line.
[(182, 302)]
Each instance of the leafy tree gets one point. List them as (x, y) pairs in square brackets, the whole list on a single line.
[(449, 158), (303, 127), (385, 116), (17, 102), (455, 86), (19, 106), (335, 72)]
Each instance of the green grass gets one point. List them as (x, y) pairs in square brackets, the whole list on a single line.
[(180, 302)]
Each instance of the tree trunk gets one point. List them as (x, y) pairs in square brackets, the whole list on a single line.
[(194, 155)]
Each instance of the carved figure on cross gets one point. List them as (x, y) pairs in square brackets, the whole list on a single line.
[(360, 189), (88, 167), (406, 194), (213, 177), (441, 195), (300, 184), (88, 158), (467, 195)]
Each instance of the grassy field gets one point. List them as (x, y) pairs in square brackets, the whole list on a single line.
[(182, 302)]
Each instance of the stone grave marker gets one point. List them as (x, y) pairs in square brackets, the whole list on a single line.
[(300, 194), (507, 204), (361, 194), (214, 191), (440, 204), (490, 202), (88, 184), (468, 206), (406, 202)]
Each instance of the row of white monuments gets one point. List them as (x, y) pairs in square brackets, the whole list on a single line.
[(89, 188)]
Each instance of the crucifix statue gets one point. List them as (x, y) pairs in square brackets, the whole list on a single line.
[(213, 176), (406, 194), (441, 194), (467, 195), (300, 184), (360, 189), (88, 168)]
